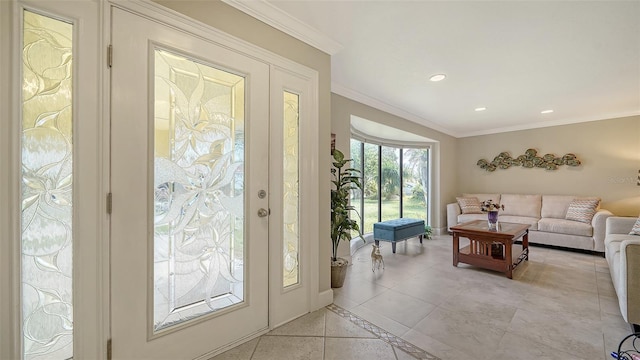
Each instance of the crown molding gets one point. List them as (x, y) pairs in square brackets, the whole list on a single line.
[(382, 106), (544, 124), (275, 17)]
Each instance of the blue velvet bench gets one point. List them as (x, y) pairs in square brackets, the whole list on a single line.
[(397, 230)]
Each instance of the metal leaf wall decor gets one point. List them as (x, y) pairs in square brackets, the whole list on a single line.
[(529, 159)]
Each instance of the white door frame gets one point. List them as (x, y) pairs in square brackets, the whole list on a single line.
[(309, 169), (7, 334), (90, 328)]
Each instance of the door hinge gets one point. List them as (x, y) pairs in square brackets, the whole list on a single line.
[(109, 349), (110, 56), (109, 203)]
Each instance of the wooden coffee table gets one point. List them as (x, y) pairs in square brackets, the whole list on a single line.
[(490, 248)]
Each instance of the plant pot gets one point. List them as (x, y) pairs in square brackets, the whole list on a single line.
[(338, 272)]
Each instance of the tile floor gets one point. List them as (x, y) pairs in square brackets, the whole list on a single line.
[(559, 305)]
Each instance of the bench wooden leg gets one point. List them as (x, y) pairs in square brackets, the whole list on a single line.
[(420, 236), (377, 242), (393, 246)]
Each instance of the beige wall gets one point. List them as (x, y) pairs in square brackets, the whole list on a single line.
[(443, 154), (236, 23), (609, 151)]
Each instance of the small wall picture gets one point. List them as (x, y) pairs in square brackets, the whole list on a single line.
[(333, 143)]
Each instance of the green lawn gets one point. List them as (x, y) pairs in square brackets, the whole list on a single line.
[(413, 208)]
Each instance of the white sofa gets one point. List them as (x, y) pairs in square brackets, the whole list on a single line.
[(622, 252), (546, 215)]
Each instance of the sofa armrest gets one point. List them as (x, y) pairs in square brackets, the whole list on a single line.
[(453, 210), (599, 224), (629, 286), (620, 225)]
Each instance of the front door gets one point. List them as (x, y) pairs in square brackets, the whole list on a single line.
[(189, 178)]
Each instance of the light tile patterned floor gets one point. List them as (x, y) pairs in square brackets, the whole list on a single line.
[(559, 305), (397, 342), (329, 333)]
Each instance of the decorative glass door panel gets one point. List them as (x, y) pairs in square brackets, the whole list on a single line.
[(190, 248), (289, 230), (290, 209), (197, 180), (47, 191), (199, 189)]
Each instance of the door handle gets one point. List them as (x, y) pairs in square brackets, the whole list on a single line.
[(263, 212)]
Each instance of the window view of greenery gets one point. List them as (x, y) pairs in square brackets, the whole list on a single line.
[(390, 183), (415, 173), (370, 187), (356, 195), (385, 195)]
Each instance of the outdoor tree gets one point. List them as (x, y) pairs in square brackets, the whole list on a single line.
[(390, 173), (418, 161)]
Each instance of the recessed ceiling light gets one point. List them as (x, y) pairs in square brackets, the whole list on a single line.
[(481, 109), (437, 77), (546, 112)]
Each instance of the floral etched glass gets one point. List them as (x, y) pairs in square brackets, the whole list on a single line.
[(290, 193), (47, 191), (199, 189)]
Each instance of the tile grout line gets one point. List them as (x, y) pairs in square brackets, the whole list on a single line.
[(393, 348), (255, 348), (324, 336), (382, 334)]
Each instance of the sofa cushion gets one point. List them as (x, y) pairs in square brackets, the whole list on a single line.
[(562, 240), (636, 228), (532, 221), (562, 226), (463, 218), (521, 205), (485, 197), (469, 205), (555, 206), (583, 209)]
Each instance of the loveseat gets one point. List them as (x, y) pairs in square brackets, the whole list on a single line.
[(622, 252), (552, 218)]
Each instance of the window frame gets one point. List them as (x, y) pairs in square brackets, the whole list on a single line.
[(400, 146)]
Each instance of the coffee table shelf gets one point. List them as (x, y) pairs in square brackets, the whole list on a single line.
[(491, 249)]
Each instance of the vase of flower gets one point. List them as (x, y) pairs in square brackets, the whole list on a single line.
[(491, 209), (492, 216)]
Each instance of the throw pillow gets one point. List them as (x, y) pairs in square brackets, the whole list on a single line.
[(469, 205), (636, 228), (583, 209)]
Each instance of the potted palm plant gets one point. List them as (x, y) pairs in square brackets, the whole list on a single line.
[(344, 180)]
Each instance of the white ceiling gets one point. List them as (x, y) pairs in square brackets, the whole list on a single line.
[(516, 58)]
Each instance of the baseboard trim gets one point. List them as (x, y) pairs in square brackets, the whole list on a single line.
[(324, 298), (440, 231)]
